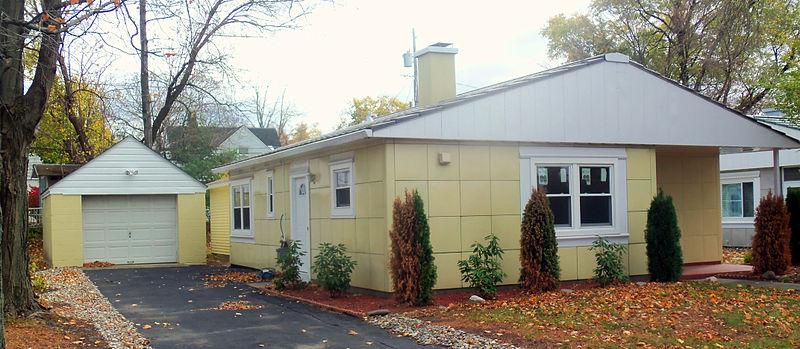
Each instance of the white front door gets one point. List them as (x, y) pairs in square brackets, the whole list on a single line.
[(300, 225), (128, 229)]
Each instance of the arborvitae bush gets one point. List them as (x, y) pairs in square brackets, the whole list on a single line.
[(427, 267), (411, 263), (663, 236), (793, 206), (771, 242), (539, 248)]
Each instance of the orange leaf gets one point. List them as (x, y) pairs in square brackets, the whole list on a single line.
[(51, 28), (45, 16)]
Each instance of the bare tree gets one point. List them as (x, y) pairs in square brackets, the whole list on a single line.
[(193, 27), (39, 27), (278, 114)]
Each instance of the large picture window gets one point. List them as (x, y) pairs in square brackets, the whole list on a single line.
[(586, 189), (241, 212), (342, 189)]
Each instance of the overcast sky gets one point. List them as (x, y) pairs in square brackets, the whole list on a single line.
[(353, 48)]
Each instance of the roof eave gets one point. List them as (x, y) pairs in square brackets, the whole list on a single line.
[(282, 154)]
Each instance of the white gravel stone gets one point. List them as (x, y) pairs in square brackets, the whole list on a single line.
[(71, 286), (425, 333)]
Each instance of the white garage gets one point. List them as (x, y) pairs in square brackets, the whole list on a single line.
[(127, 206)]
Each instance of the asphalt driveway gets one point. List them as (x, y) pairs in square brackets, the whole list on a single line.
[(175, 295)]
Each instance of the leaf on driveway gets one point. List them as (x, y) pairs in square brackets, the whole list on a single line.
[(352, 333)]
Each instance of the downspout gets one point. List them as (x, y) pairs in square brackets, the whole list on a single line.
[(776, 167)]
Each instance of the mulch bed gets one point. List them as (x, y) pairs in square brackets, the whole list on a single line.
[(360, 304), (791, 276)]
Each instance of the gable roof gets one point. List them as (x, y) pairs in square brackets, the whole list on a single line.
[(606, 99), (267, 135), (107, 174)]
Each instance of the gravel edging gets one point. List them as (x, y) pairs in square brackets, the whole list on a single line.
[(84, 301), (428, 334)]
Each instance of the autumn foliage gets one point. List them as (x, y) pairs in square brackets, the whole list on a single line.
[(771, 242), (411, 265), (33, 196), (539, 248), (793, 206), (663, 236)]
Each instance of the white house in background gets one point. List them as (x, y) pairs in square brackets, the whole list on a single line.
[(247, 141), (747, 177), (33, 159)]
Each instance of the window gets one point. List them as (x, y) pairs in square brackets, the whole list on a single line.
[(241, 217), (586, 188), (593, 194), (342, 190), (270, 194), (740, 194)]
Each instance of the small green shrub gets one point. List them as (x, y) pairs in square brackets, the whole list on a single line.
[(483, 270), (35, 232), (663, 236), (609, 268), (333, 268), (289, 265), (748, 257)]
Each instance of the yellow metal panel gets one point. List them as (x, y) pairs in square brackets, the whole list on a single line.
[(378, 236), (319, 168), (507, 229), (320, 202), (191, 228), (586, 262), (510, 265), (638, 163), (444, 195), (503, 197), (474, 229), (316, 229), (504, 163), (637, 223), (436, 78), (445, 234), (377, 199), (361, 160), (411, 161), (362, 236), (639, 195), (379, 273), (475, 198), (253, 255), (448, 275), (637, 259), (363, 196), (473, 160), (438, 171), (360, 275), (568, 261)]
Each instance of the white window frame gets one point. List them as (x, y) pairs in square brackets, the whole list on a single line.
[(615, 159), (739, 178), (270, 184), (242, 235), (349, 211)]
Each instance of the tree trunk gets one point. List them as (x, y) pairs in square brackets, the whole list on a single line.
[(145, 75), (16, 280), (2, 301)]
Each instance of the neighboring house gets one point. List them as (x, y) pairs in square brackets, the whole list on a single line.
[(33, 160), (49, 174), (128, 205), (247, 141), (747, 177), (601, 135)]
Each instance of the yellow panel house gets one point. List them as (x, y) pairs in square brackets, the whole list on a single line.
[(127, 206), (601, 135)]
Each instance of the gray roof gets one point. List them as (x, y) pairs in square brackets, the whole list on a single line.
[(268, 135), (413, 112)]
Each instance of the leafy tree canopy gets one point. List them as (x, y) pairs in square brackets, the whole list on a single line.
[(376, 107)]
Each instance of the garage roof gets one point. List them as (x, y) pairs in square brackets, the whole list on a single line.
[(128, 167)]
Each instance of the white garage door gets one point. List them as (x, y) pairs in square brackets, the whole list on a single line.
[(128, 229)]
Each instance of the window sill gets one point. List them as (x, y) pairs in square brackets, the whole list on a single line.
[(248, 239), (587, 240)]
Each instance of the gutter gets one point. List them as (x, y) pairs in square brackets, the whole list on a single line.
[(282, 154)]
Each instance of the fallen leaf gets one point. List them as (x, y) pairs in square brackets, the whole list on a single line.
[(352, 333)]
